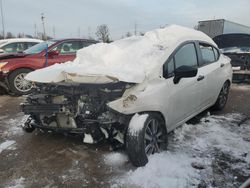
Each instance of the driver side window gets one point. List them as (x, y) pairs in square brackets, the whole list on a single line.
[(185, 56)]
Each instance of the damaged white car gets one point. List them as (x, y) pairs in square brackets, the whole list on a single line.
[(133, 91)]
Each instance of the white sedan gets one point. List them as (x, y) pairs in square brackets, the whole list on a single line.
[(15, 45), (134, 90)]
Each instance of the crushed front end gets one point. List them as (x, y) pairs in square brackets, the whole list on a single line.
[(78, 109)]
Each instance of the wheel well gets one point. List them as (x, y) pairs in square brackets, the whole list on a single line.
[(158, 113), (228, 82), (19, 69)]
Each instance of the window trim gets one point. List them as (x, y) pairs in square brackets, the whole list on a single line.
[(201, 64), (174, 53)]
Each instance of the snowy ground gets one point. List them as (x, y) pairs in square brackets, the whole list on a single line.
[(212, 152)]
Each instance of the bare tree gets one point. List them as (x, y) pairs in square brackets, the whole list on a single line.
[(128, 34), (102, 32), (9, 35), (20, 35)]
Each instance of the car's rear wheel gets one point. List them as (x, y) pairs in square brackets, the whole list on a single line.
[(151, 139), (18, 85), (223, 96)]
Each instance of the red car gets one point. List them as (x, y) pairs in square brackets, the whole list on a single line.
[(14, 67)]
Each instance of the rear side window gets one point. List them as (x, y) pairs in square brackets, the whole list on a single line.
[(14, 47), (209, 54), (69, 47), (29, 44), (85, 44), (186, 55)]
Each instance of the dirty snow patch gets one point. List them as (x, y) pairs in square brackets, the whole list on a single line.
[(7, 145), (136, 123), (18, 183), (115, 159)]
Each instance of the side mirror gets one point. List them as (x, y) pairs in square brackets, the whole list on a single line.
[(1, 51), (53, 53), (184, 72)]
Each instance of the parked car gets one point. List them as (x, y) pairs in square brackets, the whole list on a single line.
[(237, 47), (14, 67), (133, 91), (16, 45)]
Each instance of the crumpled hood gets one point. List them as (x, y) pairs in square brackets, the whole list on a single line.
[(129, 60)]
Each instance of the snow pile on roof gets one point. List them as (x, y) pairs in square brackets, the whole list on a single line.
[(196, 154), (130, 60)]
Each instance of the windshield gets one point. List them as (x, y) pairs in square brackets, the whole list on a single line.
[(38, 47)]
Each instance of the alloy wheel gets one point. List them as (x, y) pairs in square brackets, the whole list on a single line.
[(21, 84), (154, 137), (224, 94)]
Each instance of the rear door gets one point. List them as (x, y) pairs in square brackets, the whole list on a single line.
[(210, 67)]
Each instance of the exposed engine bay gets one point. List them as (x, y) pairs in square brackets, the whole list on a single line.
[(78, 109)]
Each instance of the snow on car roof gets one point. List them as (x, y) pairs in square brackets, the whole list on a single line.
[(20, 40), (130, 60)]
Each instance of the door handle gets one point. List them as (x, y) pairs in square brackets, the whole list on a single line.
[(201, 77), (222, 65)]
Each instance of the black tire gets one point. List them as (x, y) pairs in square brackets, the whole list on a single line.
[(222, 98), (16, 76), (137, 143), (28, 129)]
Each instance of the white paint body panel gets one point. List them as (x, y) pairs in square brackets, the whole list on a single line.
[(177, 102)]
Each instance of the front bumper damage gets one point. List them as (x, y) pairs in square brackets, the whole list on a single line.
[(77, 109)]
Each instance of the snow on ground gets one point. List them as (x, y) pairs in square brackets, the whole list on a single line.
[(14, 125), (115, 159), (7, 145), (214, 152), (18, 183), (130, 60)]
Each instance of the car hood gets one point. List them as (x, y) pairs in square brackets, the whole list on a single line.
[(131, 59), (12, 56)]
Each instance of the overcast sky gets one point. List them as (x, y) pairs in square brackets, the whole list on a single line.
[(68, 17)]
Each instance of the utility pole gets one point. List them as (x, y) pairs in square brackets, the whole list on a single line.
[(43, 22), (89, 32), (54, 32), (135, 28), (35, 31), (79, 31), (1, 3)]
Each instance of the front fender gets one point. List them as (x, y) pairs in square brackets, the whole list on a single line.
[(144, 97)]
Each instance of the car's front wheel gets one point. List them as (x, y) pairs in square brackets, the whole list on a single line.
[(18, 85), (146, 135)]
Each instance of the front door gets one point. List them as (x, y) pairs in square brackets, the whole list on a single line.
[(183, 98)]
